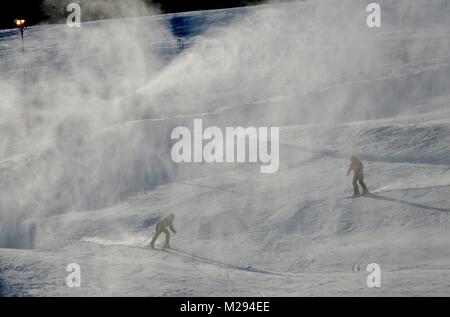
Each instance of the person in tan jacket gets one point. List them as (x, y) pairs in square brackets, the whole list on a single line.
[(161, 227), (358, 176)]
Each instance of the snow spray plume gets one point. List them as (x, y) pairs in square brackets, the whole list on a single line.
[(315, 63), (76, 78), (309, 62)]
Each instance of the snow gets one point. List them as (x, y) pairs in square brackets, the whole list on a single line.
[(90, 182)]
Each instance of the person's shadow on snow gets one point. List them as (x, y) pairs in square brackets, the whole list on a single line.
[(404, 202)]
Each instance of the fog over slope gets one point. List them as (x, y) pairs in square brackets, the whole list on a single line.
[(86, 172)]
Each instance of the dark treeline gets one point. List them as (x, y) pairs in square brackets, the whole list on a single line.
[(37, 11)]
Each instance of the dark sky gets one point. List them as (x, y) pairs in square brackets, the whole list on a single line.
[(31, 10)]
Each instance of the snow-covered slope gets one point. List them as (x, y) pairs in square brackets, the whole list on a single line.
[(94, 174)]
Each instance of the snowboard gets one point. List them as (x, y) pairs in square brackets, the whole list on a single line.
[(156, 249)]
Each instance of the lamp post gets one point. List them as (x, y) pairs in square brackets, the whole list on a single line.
[(20, 24)]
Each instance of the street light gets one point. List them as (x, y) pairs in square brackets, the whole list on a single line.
[(20, 23)]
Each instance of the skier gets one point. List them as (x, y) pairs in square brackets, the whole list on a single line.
[(358, 176), (162, 227)]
